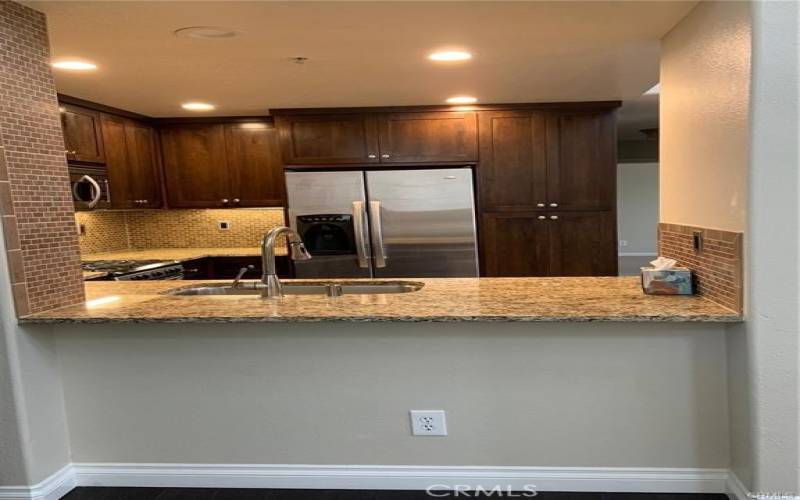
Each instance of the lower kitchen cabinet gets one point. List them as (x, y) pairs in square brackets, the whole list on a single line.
[(549, 244), (223, 268)]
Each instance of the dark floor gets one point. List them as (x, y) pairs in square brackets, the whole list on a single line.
[(96, 493)]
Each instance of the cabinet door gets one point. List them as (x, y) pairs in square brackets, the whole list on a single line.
[(254, 161), (583, 244), (144, 178), (194, 166), (328, 139), (582, 163), (82, 136), (512, 173), (428, 137), (515, 244)]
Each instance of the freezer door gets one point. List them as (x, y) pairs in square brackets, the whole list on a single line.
[(422, 223), (328, 210)]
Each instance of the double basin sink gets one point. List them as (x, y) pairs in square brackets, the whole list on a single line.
[(329, 288)]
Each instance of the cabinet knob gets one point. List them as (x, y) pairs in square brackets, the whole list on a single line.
[(554, 205), (554, 217), (540, 205), (372, 156), (225, 201), (541, 217), (386, 156), (145, 202), (236, 201)]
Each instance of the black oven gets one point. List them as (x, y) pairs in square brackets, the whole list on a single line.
[(89, 187)]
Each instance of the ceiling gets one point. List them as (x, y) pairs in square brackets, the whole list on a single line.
[(360, 53)]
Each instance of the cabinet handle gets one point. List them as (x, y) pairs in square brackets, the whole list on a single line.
[(371, 156), (554, 217), (236, 201), (225, 201), (386, 156), (541, 217), (554, 205), (540, 205), (145, 202)]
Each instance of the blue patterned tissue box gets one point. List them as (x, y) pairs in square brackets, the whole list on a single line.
[(675, 281)]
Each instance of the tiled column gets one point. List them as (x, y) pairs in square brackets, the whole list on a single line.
[(35, 202)]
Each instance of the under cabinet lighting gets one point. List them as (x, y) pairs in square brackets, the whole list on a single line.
[(102, 301)]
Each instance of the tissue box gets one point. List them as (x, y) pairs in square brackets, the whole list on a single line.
[(675, 281)]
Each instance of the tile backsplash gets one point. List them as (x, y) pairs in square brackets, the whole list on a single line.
[(717, 267), (110, 230)]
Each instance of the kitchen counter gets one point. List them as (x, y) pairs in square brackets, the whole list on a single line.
[(451, 299)]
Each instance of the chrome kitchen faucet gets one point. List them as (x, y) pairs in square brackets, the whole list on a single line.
[(273, 289)]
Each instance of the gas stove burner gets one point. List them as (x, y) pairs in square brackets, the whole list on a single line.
[(123, 270)]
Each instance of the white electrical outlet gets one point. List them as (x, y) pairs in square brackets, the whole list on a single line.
[(428, 423)]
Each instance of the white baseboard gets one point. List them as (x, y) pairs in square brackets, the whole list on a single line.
[(392, 477), (52, 488), (735, 489), (402, 477)]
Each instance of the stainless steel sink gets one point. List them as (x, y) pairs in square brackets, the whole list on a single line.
[(329, 288)]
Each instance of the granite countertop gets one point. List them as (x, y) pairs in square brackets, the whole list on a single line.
[(442, 299)]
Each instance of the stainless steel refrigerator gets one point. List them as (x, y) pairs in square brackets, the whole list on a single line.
[(384, 223)]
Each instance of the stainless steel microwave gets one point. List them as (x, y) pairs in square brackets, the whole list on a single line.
[(90, 189)]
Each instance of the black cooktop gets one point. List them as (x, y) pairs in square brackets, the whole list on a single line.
[(124, 266)]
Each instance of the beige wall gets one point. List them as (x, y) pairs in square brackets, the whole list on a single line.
[(705, 80), (628, 395)]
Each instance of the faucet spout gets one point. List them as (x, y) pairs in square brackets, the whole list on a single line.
[(297, 251)]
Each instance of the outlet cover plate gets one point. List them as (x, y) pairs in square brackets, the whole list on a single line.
[(428, 423)]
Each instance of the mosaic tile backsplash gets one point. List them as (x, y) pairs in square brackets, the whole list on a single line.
[(109, 230), (717, 266)]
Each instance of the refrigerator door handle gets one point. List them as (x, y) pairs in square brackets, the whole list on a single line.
[(358, 227), (377, 233)]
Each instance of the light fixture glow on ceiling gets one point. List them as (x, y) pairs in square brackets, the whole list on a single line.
[(654, 90), (462, 99), (74, 65), (197, 106), (450, 56)]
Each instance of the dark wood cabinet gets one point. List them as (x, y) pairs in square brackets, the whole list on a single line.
[(223, 165), (428, 137), (254, 159), (582, 160), (513, 168), (83, 141), (515, 244), (328, 139), (583, 243), (224, 268), (132, 162), (549, 244), (195, 167)]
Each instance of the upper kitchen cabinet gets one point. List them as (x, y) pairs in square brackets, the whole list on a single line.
[(195, 167), (328, 139), (582, 160), (222, 165), (513, 168), (131, 158), (83, 139), (428, 137), (254, 159)]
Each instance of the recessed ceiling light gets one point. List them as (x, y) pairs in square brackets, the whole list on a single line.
[(74, 65), (462, 99), (450, 55), (197, 106), (207, 32)]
